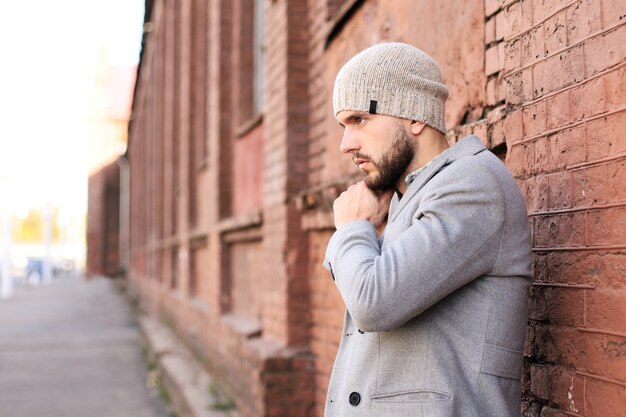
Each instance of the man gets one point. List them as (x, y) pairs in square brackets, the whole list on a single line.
[(436, 305)]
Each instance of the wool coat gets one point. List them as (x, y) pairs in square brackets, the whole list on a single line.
[(437, 306)]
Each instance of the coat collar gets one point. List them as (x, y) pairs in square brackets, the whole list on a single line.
[(469, 145)]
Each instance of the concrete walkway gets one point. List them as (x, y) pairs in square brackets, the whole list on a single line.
[(72, 348)]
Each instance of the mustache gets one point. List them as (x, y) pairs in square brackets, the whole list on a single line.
[(359, 155)]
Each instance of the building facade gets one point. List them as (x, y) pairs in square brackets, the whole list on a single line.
[(234, 165), (109, 113)]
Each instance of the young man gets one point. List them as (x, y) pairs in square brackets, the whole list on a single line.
[(436, 303)]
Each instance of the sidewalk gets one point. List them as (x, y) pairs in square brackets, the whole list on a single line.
[(72, 348)]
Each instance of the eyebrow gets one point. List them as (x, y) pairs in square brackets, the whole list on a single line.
[(351, 118)]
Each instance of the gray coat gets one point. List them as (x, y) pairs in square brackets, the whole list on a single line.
[(436, 308)]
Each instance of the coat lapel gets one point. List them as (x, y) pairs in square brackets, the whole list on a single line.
[(470, 145)]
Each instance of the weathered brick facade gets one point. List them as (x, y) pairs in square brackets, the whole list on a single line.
[(231, 204), (103, 233)]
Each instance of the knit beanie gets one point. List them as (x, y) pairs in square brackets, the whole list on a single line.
[(394, 79)]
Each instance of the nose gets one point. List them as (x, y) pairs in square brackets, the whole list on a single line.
[(349, 141)]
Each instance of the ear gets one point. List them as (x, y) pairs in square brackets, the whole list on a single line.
[(417, 127)]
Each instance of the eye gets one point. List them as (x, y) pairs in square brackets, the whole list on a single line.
[(358, 120)]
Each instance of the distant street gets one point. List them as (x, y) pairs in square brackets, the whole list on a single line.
[(72, 348)]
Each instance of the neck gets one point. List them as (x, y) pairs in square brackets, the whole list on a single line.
[(428, 144)]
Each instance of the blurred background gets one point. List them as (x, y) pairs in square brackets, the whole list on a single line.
[(66, 87)]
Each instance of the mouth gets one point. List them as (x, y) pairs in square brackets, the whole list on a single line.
[(361, 163)]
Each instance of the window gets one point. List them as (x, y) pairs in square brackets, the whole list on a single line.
[(250, 63)]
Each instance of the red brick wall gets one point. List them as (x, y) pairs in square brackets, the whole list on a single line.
[(227, 247), (564, 73), (216, 243), (103, 222)]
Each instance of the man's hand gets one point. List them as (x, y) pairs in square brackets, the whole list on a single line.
[(360, 203)]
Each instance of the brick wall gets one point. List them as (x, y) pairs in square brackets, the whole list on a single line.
[(216, 241), (563, 70), (230, 214), (103, 222)]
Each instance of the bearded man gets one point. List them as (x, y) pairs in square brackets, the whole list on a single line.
[(431, 253)]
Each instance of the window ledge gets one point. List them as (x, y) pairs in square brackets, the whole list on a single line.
[(249, 125), (242, 221), (244, 326), (339, 21)]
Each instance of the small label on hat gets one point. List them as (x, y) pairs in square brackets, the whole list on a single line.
[(373, 104)]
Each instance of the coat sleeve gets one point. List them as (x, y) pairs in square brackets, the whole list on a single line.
[(452, 239)]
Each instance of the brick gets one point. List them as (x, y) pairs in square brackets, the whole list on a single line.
[(531, 409), (604, 51), (526, 17), (528, 352), (502, 30), (557, 306), (519, 87), (569, 347), (496, 135), (558, 110), (491, 6), (583, 19), (535, 191), (493, 59), (543, 158), (613, 272), (555, 33), (541, 197), (558, 386), (560, 230), (532, 45), (540, 267), (542, 9), (615, 87), (564, 69), (605, 309), (616, 181), (586, 268), (514, 18), (589, 186), (565, 306), (559, 191), (540, 75), (589, 99), (520, 159), (534, 117), (568, 391), (491, 97), (606, 226), (513, 127), (614, 359), (540, 385), (537, 305), (512, 55), (490, 31), (605, 136), (613, 12), (566, 148)]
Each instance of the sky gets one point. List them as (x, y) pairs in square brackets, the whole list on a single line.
[(48, 56)]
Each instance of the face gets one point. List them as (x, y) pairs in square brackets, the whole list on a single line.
[(381, 147)]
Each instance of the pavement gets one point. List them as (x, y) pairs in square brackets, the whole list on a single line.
[(76, 347), (71, 348)]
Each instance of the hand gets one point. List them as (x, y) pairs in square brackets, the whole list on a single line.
[(360, 203)]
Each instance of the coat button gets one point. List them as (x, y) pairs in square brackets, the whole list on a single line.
[(354, 399)]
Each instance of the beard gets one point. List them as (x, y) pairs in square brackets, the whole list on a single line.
[(393, 165)]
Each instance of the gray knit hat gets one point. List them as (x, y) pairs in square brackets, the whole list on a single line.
[(394, 79)]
